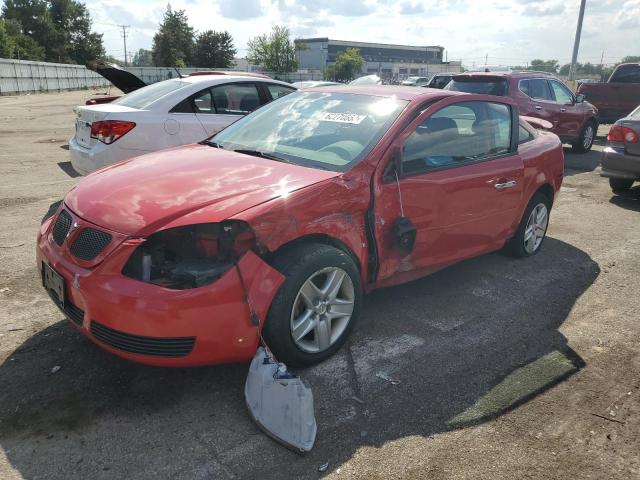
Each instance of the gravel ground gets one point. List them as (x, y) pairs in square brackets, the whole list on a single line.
[(506, 368)]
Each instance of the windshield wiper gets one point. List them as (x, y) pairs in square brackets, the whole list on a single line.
[(211, 143), (258, 153)]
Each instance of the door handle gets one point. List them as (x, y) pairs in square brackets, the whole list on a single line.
[(538, 107), (563, 109), (504, 185)]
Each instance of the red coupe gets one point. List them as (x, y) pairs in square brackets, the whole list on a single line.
[(277, 225)]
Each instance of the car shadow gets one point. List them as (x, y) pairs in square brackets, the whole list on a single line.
[(629, 200), (68, 169), (447, 351), (580, 162)]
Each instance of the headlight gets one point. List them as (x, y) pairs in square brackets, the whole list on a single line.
[(190, 257)]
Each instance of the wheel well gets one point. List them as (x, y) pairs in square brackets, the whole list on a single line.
[(317, 238), (593, 120), (547, 190)]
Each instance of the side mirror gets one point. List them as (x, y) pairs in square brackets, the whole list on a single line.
[(579, 98)]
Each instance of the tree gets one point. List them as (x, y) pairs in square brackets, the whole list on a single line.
[(173, 42), (274, 51), (142, 58), (630, 59), (15, 44), (550, 66), (348, 64), (214, 50), (59, 28)]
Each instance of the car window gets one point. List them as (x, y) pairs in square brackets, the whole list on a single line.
[(538, 89), (563, 94), (202, 102), (457, 135), (278, 91), (627, 74), (524, 135), (235, 98), (440, 81), (325, 130), (486, 86), (145, 96)]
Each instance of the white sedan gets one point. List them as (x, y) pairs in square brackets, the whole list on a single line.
[(166, 114)]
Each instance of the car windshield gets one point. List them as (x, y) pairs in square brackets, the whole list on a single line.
[(145, 96), (479, 85), (330, 131)]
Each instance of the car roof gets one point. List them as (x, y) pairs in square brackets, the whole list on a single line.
[(511, 74), (226, 78), (398, 91)]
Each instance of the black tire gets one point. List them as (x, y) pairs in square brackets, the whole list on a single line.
[(298, 264), (516, 246), (579, 145), (620, 184)]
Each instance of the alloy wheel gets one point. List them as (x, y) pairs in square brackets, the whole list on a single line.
[(588, 137), (322, 309), (536, 228)]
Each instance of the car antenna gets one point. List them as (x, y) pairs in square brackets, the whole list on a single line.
[(178, 72)]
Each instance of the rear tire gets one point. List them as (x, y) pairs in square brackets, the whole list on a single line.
[(532, 230), (318, 304), (585, 140), (620, 184)]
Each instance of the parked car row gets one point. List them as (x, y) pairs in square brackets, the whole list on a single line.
[(276, 225)]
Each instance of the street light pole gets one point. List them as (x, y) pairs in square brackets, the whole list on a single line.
[(576, 43)]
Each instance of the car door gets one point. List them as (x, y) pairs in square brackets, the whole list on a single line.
[(460, 185), (569, 114), (182, 126), (541, 103), (224, 104)]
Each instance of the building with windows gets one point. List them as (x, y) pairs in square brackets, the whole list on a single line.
[(391, 62)]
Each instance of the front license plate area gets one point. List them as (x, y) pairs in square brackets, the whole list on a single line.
[(54, 283)]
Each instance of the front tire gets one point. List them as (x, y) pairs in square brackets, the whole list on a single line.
[(620, 184), (532, 230), (585, 140), (316, 307)]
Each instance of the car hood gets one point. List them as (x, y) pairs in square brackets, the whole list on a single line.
[(142, 195), (125, 81)]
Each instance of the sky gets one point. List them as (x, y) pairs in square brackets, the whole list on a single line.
[(510, 32)]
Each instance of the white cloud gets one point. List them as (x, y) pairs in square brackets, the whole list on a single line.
[(509, 32)]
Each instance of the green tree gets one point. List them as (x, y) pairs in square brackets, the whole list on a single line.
[(173, 42), (62, 28), (348, 64), (214, 50), (75, 42), (630, 59), (15, 44), (274, 51), (550, 66), (142, 58)]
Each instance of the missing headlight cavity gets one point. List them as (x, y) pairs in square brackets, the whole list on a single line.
[(190, 257)]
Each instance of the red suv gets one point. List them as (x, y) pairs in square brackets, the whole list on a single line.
[(538, 94)]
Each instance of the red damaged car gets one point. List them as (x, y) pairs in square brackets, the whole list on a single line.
[(278, 224)]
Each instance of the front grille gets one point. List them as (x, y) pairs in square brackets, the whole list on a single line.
[(155, 346), (61, 227), (72, 312), (89, 243)]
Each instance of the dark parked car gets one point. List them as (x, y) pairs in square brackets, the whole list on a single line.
[(619, 96), (621, 156), (440, 80), (538, 94)]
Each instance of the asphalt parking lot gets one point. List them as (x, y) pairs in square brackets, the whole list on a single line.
[(494, 368)]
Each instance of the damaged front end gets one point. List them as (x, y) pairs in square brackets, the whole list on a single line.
[(190, 256)]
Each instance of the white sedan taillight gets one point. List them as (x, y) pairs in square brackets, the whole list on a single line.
[(108, 131)]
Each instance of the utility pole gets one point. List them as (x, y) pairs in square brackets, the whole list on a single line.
[(486, 59), (124, 39), (576, 43)]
